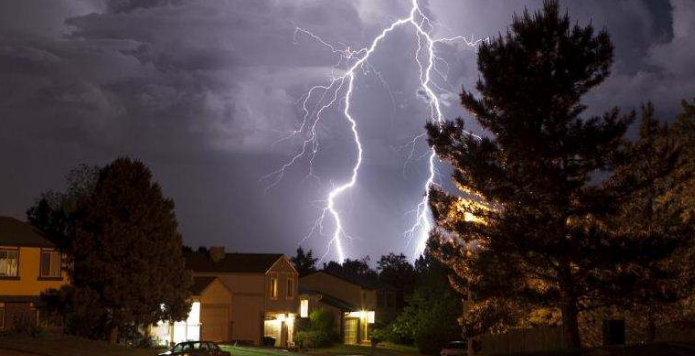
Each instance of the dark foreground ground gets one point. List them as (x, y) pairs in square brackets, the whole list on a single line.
[(73, 346)]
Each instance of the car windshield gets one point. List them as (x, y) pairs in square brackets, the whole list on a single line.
[(186, 346), (456, 345)]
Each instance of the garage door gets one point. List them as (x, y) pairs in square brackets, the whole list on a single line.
[(215, 322), (350, 330)]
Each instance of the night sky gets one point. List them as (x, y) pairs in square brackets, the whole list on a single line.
[(201, 90)]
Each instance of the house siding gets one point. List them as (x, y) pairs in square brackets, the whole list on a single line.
[(251, 300), (20, 296), (29, 283)]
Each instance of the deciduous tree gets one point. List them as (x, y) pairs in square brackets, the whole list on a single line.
[(127, 250), (304, 262)]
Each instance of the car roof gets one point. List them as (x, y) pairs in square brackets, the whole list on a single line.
[(196, 342)]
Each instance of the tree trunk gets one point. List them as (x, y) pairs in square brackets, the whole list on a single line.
[(570, 323), (651, 326), (112, 335), (568, 307)]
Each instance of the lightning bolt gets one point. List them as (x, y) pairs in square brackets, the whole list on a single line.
[(341, 85)]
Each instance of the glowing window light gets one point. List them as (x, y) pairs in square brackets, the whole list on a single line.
[(304, 308)]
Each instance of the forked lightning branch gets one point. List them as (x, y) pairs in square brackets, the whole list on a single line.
[(338, 90)]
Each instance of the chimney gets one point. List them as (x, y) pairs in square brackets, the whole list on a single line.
[(217, 253)]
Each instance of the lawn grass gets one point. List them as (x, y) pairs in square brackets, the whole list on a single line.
[(335, 350), (257, 351), (68, 346), (384, 349)]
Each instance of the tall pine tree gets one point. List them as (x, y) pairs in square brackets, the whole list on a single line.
[(541, 241), (650, 219)]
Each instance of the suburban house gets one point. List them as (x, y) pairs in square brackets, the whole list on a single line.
[(353, 303), (238, 297), (29, 265)]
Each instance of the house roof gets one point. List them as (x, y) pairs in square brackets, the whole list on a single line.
[(362, 282), (329, 300), (17, 233), (232, 262), (200, 283)]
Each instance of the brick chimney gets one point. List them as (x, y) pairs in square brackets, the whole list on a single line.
[(216, 253)]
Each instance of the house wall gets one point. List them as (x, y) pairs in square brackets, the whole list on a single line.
[(217, 296), (29, 283), (247, 304), (283, 303)]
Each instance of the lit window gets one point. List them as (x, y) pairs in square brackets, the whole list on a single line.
[(290, 288), (9, 263), (274, 287), (50, 263), (304, 308)]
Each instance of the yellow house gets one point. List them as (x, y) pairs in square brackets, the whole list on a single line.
[(29, 265), (264, 298)]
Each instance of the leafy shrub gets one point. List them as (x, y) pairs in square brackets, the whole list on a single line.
[(319, 332), (314, 339), (321, 320), (24, 326)]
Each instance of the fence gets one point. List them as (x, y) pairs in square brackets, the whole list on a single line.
[(523, 340)]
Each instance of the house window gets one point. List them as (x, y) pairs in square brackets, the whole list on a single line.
[(2, 316), (290, 288), (9, 262), (304, 308), (274, 287), (50, 263)]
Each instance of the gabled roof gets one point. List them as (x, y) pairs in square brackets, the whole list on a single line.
[(361, 282), (329, 300), (232, 262), (200, 283), (17, 233)]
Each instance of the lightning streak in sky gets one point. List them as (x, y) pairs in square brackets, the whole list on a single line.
[(325, 96)]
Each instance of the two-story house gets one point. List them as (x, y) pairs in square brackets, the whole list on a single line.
[(353, 303), (29, 265), (264, 298)]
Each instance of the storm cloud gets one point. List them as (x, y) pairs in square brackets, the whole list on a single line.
[(202, 91)]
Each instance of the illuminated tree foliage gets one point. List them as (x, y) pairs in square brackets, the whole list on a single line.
[(542, 236), (650, 217)]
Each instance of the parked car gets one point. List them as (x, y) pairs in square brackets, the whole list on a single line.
[(196, 348), (455, 348)]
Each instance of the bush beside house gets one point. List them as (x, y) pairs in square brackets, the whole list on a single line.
[(319, 332)]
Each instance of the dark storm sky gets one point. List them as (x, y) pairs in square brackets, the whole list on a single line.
[(201, 89)]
